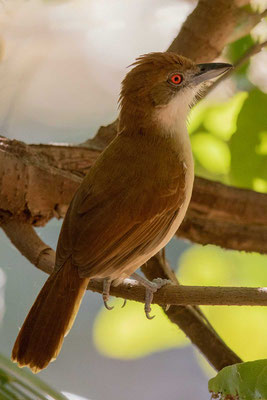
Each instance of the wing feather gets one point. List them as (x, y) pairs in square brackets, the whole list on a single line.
[(119, 214)]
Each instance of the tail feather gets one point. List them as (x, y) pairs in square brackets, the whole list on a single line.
[(50, 319)]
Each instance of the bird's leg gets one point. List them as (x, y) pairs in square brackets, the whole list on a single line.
[(151, 288), (105, 294)]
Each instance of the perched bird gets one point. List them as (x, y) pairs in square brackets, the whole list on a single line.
[(128, 206)]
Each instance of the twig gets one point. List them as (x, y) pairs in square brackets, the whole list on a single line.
[(252, 51), (194, 324), (26, 240), (188, 295), (247, 22), (42, 256)]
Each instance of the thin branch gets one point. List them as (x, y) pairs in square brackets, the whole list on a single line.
[(192, 321), (252, 51), (185, 317), (188, 295), (24, 237), (247, 21), (26, 240)]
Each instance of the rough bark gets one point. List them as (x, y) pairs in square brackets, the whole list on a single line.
[(38, 181)]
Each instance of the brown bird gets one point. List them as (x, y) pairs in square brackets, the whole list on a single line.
[(128, 206)]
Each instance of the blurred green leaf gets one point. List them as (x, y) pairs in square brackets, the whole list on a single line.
[(234, 53), (221, 119), (211, 127), (260, 185), (245, 381), (262, 146), (248, 160), (197, 115), (127, 333), (211, 152), (244, 329)]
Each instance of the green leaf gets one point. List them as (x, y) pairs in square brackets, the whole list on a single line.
[(211, 152), (197, 115), (248, 144), (220, 119), (245, 381), (236, 50), (127, 333), (211, 126), (244, 329)]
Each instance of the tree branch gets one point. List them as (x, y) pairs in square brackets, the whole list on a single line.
[(252, 51), (209, 28), (188, 295), (38, 182), (24, 237)]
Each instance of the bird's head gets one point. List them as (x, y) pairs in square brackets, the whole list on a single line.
[(163, 86)]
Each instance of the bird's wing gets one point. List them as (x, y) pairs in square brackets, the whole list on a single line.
[(119, 214)]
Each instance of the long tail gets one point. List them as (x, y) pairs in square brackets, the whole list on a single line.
[(50, 319)]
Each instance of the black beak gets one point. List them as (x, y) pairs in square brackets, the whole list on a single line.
[(209, 71)]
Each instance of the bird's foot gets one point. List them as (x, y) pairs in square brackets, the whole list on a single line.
[(105, 294), (151, 287)]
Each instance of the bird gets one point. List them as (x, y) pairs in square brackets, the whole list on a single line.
[(128, 206)]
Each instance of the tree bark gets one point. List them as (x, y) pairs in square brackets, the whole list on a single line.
[(38, 182)]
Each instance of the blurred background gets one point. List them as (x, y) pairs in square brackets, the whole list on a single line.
[(61, 64)]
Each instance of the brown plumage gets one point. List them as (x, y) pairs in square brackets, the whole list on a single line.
[(50, 318), (128, 206)]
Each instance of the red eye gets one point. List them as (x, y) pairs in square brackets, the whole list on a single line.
[(176, 79)]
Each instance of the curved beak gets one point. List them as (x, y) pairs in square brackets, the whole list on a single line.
[(209, 71)]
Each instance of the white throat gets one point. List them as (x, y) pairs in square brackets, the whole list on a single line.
[(172, 116), (172, 121)]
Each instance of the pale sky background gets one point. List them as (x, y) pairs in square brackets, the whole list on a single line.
[(63, 61)]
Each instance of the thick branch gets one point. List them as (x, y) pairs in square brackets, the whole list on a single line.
[(38, 181), (209, 29), (193, 322)]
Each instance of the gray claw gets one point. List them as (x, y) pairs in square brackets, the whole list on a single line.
[(105, 293), (149, 316), (151, 288), (124, 303), (107, 306)]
